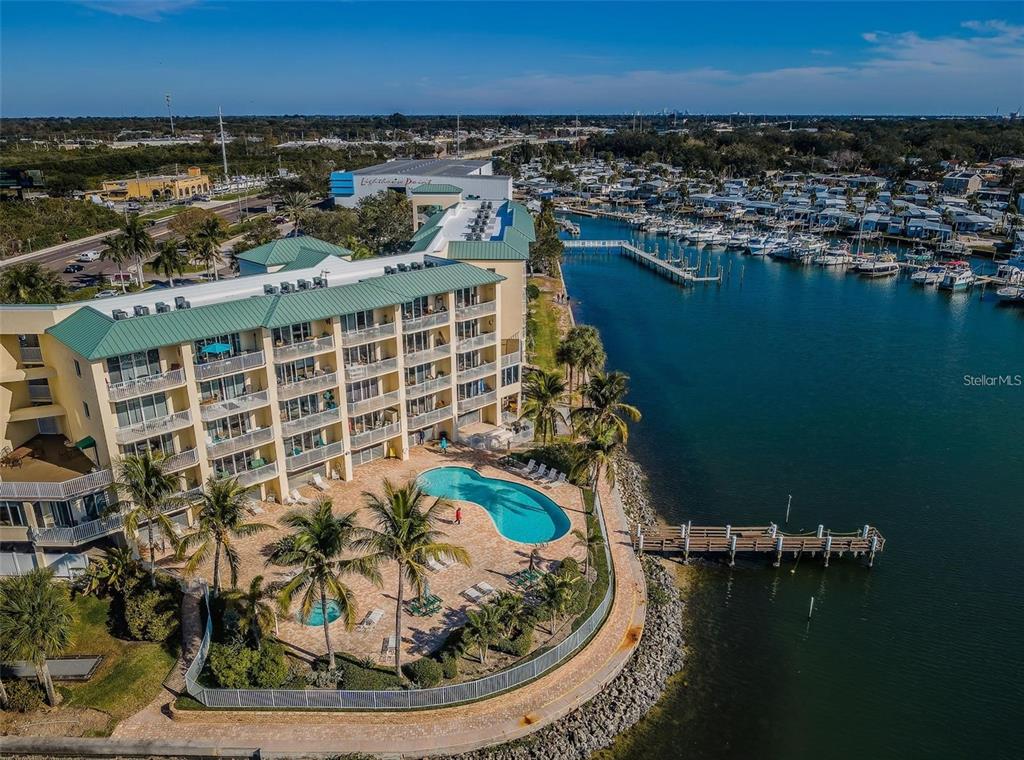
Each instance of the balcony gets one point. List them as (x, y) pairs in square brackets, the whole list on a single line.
[(373, 403), (237, 405), (40, 394), (257, 475), (368, 334), (221, 448), (367, 455), (314, 455), (475, 402), (477, 341), (430, 418), (187, 458), (373, 369), (475, 310), (442, 383), (62, 491), (376, 435), (253, 360), (78, 534), (309, 385), (143, 386), (311, 422), (31, 355), (412, 358), (150, 428), (303, 349), (475, 373), (507, 360), (412, 324)]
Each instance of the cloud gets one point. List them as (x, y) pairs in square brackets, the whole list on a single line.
[(145, 10), (820, 51)]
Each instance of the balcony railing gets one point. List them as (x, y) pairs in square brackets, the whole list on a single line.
[(372, 404), (253, 438), (146, 385), (31, 354), (187, 458), (238, 363), (475, 402), (428, 386), (237, 405), (367, 455), (475, 310), (311, 422), (373, 369), (309, 385), (314, 455), (304, 348), (150, 428), (474, 373), (40, 394), (257, 475), (367, 334), (507, 360), (62, 491), (370, 437), (412, 358), (477, 341), (412, 324), (430, 418)]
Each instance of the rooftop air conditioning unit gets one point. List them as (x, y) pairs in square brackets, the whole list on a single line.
[(162, 308), (403, 267), (416, 265), (185, 304), (269, 290), (304, 284), (141, 311), (389, 270), (178, 301), (428, 263), (120, 314), (286, 287), (318, 282)]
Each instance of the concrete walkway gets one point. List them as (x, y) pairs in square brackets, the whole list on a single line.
[(492, 721)]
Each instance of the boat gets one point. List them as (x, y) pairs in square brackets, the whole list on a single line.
[(930, 276), (1011, 294), (707, 233), (882, 266), (759, 246), (836, 255), (957, 278), (739, 238)]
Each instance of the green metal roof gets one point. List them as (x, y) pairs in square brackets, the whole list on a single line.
[(93, 335), (308, 259), (287, 250), (486, 250), (430, 226), (439, 189), (522, 220)]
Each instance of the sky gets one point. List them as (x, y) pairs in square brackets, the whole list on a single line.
[(120, 57)]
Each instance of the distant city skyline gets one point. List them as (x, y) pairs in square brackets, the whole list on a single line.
[(120, 57)]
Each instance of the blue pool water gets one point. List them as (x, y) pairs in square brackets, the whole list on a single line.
[(520, 513), (316, 615)]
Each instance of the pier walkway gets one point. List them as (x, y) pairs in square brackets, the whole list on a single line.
[(672, 271), (766, 539)]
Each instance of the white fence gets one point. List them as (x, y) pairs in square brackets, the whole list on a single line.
[(438, 696)]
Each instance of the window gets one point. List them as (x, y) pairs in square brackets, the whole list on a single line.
[(469, 360), (78, 368), (222, 388), (237, 463), (292, 334), (85, 408), (510, 375), (135, 366), (358, 321), (141, 409), (363, 389), (95, 504), (231, 426), (465, 297), (472, 389), (12, 513), (418, 374), (203, 354), (299, 407), (296, 444), (418, 341), (292, 372), (161, 444), (367, 354)]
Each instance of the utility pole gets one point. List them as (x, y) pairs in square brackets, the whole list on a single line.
[(170, 114), (223, 144), (458, 135)]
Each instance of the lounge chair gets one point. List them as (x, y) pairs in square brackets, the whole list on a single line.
[(551, 478), (525, 471), (318, 483), (298, 497), (539, 473), (388, 647), (371, 619), (472, 594), (561, 479), (434, 565), (485, 588), (446, 560)]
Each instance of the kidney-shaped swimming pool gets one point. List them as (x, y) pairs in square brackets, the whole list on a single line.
[(520, 513)]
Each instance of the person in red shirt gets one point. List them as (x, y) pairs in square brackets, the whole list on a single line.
[(458, 515)]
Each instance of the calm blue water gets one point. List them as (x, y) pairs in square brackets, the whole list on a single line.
[(520, 513), (316, 615), (850, 395)]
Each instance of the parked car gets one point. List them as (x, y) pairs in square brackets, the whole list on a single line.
[(105, 294), (73, 268), (88, 256)]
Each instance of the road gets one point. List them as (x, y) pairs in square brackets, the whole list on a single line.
[(58, 257)]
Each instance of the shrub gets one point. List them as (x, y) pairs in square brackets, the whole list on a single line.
[(424, 672), (150, 616), (569, 567), (450, 666), (325, 678), (231, 664), (23, 696), (532, 291), (358, 678), (270, 668), (518, 646)]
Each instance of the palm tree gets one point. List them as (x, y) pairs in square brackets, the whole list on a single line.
[(116, 253), (294, 204), (36, 618), (405, 534), (603, 403), (31, 283), (202, 251), (316, 545), (592, 543), (481, 629), (209, 237), (169, 260), (597, 454), (511, 607), (221, 519), (556, 592), (115, 570), (137, 242), (150, 491), (590, 355), (256, 616), (543, 393)]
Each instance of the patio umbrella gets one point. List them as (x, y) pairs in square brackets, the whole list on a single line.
[(216, 348)]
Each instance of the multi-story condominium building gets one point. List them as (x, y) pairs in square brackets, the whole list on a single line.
[(316, 367)]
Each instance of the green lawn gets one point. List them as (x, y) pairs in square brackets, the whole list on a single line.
[(131, 673), (163, 213), (542, 327)]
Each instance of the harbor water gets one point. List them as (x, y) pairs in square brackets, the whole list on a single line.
[(870, 401)]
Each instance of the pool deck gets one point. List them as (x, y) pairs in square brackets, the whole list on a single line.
[(448, 730)]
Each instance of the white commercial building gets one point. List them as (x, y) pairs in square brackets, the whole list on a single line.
[(474, 178)]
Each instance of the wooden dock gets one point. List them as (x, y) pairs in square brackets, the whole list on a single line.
[(764, 539), (673, 272)]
